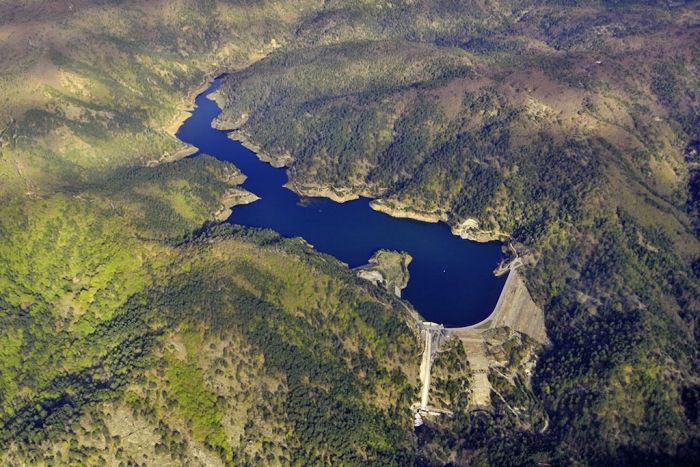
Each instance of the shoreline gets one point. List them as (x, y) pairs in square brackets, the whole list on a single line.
[(388, 208), (338, 196), (188, 103), (232, 198), (183, 112), (466, 229), (514, 309), (377, 203)]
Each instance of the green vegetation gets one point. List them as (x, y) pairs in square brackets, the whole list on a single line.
[(130, 331), (388, 269), (451, 375), (527, 118), (196, 405), (123, 311), (166, 357)]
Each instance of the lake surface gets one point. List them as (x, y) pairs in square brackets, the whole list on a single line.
[(452, 279)]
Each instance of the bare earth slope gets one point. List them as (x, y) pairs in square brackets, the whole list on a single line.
[(515, 310)]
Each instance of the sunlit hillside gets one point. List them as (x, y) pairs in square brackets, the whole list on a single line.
[(137, 330)]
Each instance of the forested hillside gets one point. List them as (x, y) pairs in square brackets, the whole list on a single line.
[(132, 333), (135, 331), (571, 128)]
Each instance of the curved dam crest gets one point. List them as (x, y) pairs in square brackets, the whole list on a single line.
[(451, 279)]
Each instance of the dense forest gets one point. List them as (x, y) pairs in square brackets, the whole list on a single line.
[(134, 330), (570, 129)]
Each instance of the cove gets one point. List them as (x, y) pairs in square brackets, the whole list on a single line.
[(451, 279)]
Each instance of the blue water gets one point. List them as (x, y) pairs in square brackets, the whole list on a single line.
[(451, 279)]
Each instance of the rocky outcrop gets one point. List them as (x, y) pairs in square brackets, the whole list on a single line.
[(396, 209), (388, 269), (470, 229), (339, 195), (233, 197)]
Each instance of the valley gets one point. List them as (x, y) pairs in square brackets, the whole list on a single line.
[(162, 309), (452, 279)]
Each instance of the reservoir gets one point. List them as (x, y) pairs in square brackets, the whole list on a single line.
[(451, 279)]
